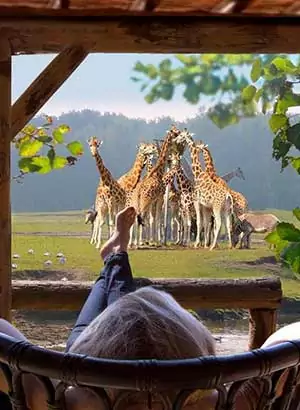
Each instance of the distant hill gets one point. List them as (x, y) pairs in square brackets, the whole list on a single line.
[(247, 144)]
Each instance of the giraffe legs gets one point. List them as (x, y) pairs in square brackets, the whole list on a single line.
[(217, 227), (199, 223), (159, 227), (228, 229)]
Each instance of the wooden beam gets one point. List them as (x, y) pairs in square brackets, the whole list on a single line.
[(262, 323), (5, 210), (191, 293), (45, 85), (144, 5), (156, 34)]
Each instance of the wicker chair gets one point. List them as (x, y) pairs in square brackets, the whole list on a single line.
[(225, 373)]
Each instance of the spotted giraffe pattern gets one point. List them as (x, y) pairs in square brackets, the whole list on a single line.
[(110, 191), (240, 203), (213, 197)]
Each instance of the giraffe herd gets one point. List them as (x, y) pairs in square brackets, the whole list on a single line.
[(204, 201)]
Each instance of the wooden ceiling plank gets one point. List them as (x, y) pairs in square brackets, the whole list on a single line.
[(157, 34), (144, 5), (45, 85)]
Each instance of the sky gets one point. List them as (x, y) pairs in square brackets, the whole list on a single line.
[(102, 82)]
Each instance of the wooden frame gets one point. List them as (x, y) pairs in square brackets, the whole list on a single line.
[(261, 297), (5, 211), (73, 31), (155, 34)]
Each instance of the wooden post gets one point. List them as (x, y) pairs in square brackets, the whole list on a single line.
[(262, 323), (5, 210)]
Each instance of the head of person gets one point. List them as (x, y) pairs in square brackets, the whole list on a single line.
[(145, 324)]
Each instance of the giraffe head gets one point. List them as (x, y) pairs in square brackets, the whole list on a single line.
[(239, 173), (184, 138), (200, 145), (94, 144)]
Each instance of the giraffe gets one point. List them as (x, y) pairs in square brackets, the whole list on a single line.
[(129, 180), (240, 203), (175, 220), (136, 228), (235, 173), (109, 192), (150, 190), (211, 196), (186, 202)]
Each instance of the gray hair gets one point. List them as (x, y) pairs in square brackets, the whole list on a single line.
[(145, 324)]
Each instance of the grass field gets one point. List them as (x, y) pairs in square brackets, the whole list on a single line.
[(67, 233)]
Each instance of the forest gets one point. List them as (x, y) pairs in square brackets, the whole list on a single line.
[(247, 144)]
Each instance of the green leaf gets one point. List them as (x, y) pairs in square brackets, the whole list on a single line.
[(293, 135), (277, 121), (284, 64), (30, 148), (75, 148), (63, 128), (288, 232), (58, 136), (59, 162), (167, 91), (248, 93), (291, 255), (43, 163), (296, 213), (256, 70), (41, 132), (296, 164), (29, 129), (258, 94), (165, 65), (26, 165), (273, 238), (51, 155), (44, 139)]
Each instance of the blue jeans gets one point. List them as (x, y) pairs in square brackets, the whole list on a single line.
[(115, 280)]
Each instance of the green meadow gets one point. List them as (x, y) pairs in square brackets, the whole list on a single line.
[(67, 233)]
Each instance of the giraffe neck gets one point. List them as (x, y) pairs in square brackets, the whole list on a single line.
[(169, 176), (104, 172), (228, 177), (209, 163), (183, 181), (161, 162), (149, 165), (196, 164), (131, 178)]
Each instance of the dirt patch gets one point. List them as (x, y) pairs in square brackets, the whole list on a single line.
[(267, 263), (51, 275), (47, 332)]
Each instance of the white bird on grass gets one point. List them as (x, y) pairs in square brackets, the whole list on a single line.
[(16, 256), (48, 263), (60, 255), (14, 266), (47, 254), (31, 251)]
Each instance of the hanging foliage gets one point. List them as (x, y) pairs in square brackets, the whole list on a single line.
[(271, 86), (45, 148)]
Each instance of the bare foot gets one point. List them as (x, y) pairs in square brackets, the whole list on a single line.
[(119, 240)]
